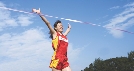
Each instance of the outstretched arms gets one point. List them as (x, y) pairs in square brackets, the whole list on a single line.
[(68, 30), (52, 31)]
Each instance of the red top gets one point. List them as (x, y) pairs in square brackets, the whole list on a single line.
[(60, 44)]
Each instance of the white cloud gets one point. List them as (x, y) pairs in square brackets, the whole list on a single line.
[(123, 21), (29, 50), (26, 50), (129, 5), (115, 7), (73, 53), (2, 4), (7, 20), (25, 20)]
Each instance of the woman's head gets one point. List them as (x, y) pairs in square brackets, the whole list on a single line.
[(58, 26)]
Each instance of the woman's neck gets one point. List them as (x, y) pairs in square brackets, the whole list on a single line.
[(60, 33)]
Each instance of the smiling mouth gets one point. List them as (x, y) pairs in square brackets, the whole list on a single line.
[(61, 28)]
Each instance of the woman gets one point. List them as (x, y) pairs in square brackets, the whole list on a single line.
[(59, 61)]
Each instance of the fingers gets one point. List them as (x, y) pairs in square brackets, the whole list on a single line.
[(33, 10), (36, 11), (69, 26)]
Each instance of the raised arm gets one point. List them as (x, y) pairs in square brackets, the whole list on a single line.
[(68, 30), (48, 24), (52, 31)]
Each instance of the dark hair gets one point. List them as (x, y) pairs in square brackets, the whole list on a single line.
[(55, 25)]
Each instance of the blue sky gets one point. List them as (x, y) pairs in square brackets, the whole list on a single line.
[(24, 42)]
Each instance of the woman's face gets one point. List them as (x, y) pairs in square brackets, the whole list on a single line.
[(59, 27)]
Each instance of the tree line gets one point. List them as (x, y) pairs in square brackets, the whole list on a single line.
[(113, 64)]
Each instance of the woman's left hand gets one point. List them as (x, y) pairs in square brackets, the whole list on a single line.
[(69, 26)]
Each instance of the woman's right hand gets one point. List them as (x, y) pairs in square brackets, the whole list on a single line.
[(36, 11)]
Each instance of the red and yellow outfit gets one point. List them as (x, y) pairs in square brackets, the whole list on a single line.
[(59, 59)]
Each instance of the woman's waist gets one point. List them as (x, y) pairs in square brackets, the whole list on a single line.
[(62, 53)]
